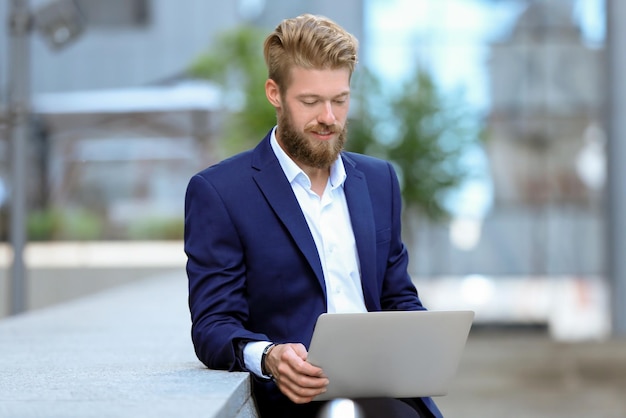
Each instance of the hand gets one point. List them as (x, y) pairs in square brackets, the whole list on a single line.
[(298, 380)]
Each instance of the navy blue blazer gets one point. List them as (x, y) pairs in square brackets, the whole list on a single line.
[(253, 268)]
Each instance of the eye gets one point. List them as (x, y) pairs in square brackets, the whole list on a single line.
[(309, 102), (341, 99)]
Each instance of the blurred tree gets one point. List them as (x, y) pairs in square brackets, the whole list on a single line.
[(419, 132), (236, 63), (64, 224)]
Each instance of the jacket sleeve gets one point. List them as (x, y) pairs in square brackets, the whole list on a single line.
[(398, 291), (217, 278)]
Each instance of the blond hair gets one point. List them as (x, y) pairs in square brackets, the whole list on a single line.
[(311, 42)]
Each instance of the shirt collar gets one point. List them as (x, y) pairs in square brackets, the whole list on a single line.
[(292, 171)]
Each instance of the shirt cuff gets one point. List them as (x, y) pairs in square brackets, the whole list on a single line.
[(252, 353)]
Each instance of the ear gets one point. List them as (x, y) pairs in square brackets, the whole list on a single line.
[(272, 93)]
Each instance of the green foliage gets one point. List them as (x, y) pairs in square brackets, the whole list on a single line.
[(157, 228), (236, 63), (422, 135), (367, 112), (82, 225), (56, 224)]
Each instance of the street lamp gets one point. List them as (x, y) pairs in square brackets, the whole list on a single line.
[(60, 23)]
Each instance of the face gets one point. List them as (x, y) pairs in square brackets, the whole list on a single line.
[(312, 115)]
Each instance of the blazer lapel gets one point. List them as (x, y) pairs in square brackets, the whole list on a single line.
[(362, 217), (274, 185)]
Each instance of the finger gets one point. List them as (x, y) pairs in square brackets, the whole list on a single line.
[(297, 393), (293, 377), (297, 381), (303, 366), (300, 350), (295, 398), (302, 381), (306, 368)]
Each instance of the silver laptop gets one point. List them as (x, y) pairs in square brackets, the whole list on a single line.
[(399, 354)]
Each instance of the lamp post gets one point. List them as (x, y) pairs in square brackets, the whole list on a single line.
[(19, 110), (616, 199), (60, 23)]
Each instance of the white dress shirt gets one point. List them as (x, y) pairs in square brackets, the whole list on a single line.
[(329, 221)]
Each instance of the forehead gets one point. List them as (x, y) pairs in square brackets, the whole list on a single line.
[(324, 83)]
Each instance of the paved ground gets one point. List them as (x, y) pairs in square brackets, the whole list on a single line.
[(504, 372), (524, 373), (123, 353)]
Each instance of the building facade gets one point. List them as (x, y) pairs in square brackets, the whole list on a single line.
[(128, 66)]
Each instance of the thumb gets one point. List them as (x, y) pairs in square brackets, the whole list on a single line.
[(300, 351)]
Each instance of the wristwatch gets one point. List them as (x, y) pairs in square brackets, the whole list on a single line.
[(266, 351)]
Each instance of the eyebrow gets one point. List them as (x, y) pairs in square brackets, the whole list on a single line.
[(317, 96)]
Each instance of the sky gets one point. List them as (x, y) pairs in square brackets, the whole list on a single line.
[(451, 38)]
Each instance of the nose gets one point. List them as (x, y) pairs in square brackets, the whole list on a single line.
[(327, 115)]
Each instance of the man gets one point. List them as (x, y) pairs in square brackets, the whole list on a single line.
[(294, 228)]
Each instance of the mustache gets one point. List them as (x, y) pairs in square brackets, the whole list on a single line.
[(325, 128)]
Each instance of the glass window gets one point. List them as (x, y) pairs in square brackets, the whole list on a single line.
[(115, 13)]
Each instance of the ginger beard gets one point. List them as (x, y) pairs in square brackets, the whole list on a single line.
[(311, 152)]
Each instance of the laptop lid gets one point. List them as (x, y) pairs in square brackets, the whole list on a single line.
[(399, 354)]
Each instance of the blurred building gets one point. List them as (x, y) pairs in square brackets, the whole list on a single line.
[(547, 98), (118, 129), (545, 150), (129, 43), (122, 157), (546, 140)]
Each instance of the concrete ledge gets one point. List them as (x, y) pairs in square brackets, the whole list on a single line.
[(62, 271), (94, 254), (125, 352)]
